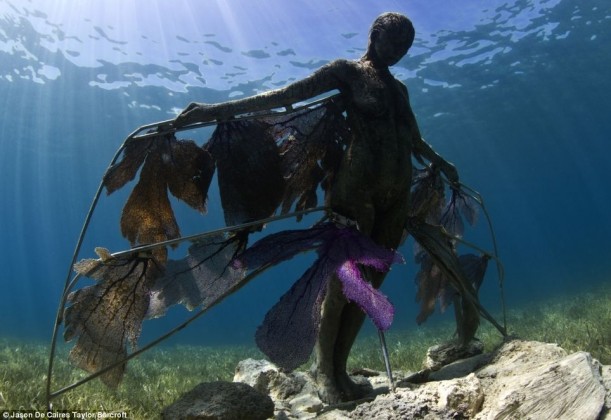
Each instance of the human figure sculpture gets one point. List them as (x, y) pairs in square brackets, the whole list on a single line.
[(372, 185)]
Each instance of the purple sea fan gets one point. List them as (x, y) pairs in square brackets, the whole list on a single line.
[(290, 328), (356, 289)]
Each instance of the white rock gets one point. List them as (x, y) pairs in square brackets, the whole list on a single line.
[(606, 376), (464, 395), (265, 377), (523, 380), (568, 388), (307, 403)]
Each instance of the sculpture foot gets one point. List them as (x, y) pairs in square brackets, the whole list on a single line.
[(341, 388)]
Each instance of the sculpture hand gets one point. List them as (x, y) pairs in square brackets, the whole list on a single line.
[(194, 113), (450, 172)]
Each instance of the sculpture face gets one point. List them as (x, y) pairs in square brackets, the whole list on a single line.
[(391, 35), (391, 45)]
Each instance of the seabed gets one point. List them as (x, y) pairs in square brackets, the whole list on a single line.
[(157, 378)]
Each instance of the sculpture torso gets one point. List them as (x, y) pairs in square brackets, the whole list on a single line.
[(375, 173)]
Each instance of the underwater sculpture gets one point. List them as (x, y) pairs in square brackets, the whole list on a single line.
[(358, 146)]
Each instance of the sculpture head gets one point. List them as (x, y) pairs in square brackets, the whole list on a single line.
[(390, 36)]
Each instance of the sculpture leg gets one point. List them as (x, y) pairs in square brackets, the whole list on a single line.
[(352, 319), (323, 368), (341, 321), (436, 242)]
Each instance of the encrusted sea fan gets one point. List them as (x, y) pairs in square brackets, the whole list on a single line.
[(460, 205), (427, 195), (434, 285), (290, 328), (445, 276), (264, 164), (179, 166), (107, 315), (249, 170)]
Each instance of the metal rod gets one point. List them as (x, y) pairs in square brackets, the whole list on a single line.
[(77, 248), (198, 236), (391, 382), (500, 269)]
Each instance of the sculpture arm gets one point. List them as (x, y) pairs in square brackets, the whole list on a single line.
[(325, 79), (422, 149)]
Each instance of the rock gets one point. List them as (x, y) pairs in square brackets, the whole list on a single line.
[(605, 373), (266, 378), (538, 380), (520, 356), (221, 400), (446, 353), (448, 361), (459, 368), (334, 415), (294, 394), (462, 395), (434, 400), (522, 379), (307, 403)]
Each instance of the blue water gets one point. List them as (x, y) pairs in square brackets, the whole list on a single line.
[(515, 93)]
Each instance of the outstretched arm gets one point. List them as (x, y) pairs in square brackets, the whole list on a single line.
[(323, 80)]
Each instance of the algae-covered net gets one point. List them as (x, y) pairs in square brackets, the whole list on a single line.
[(270, 166)]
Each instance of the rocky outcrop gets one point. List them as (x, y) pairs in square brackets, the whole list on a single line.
[(521, 379), (606, 375), (221, 400), (294, 393), (540, 381), (446, 353)]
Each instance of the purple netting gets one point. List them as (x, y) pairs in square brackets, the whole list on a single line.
[(370, 300), (289, 330)]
